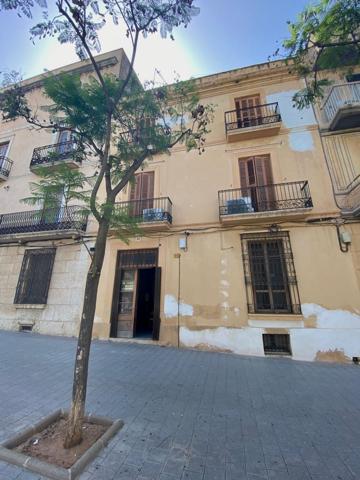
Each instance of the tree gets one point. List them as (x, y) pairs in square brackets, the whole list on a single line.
[(114, 120), (325, 36)]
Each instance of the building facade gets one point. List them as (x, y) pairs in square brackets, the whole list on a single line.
[(242, 249)]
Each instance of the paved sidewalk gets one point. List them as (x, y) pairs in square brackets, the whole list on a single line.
[(191, 415)]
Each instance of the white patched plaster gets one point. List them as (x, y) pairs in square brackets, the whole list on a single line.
[(307, 342), (246, 341), (330, 318), (301, 141), (171, 308), (291, 116)]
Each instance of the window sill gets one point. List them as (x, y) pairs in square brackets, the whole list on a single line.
[(30, 306)]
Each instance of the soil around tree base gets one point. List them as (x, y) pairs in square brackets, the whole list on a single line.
[(47, 445)]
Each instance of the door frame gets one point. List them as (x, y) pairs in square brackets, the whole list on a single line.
[(116, 289)]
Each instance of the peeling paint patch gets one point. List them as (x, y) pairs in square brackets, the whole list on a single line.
[(330, 318), (171, 308), (301, 141), (244, 341), (333, 356), (290, 115)]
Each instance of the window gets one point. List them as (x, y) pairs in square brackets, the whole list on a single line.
[(142, 193), (35, 275), (276, 343), (255, 172), (270, 277), (3, 149), (355, 77), (248, 111)]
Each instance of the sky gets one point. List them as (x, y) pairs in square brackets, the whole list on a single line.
[(227, 34)]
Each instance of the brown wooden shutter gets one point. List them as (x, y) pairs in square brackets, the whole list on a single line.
[(143, 187)]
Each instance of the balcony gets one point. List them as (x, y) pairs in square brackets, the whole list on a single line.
[(341, 108), (56, 154), (266, 202), (253, 122), (149, 214), (46, 224), (5, 167)]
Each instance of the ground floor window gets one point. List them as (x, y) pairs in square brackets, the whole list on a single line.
[(270, 276), (35, 276), (276, 343)]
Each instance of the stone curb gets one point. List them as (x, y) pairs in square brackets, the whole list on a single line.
[(53, 471)]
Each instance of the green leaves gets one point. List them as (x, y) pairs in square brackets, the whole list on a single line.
[(325, 36)]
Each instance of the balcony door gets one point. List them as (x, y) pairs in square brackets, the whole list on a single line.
[(142, 193), (257, 182), (64, 145), (3, 151), (248, 111)]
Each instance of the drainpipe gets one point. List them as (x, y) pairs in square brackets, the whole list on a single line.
[(178, 256)]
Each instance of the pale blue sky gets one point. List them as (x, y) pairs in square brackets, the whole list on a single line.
[(227, 34)]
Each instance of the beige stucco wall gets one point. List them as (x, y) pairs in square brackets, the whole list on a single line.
[(213, 303)]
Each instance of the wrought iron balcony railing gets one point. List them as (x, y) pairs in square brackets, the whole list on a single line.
[(5, 166), (54, 153), (148, 210), (265, 198), (340, 96), (252, 116), (51, 219)]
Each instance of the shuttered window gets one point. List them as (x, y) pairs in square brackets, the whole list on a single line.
[(35, 275), (255, 172), (270, 277), (142, 193)]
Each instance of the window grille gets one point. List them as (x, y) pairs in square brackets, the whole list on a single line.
[(35, 275), (270, 277), (146, 258), (276, 343)]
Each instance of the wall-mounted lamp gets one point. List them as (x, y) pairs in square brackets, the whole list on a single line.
[(274, 228), (183, 242)]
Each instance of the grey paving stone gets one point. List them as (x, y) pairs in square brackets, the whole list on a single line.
[(191, 415)]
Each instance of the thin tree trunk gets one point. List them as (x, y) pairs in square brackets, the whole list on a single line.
[(75, 421)]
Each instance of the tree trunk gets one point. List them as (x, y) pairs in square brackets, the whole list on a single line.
[(74, 428)]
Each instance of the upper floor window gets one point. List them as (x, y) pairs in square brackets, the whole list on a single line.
[(248, 111), (35, 275), (4, 146), (255, 172)]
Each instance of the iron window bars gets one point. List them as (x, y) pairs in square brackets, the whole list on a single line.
[(35, 275), (276, 343), (5, 165), (62, 218), (265, 198), (270, 276), (257, 115)]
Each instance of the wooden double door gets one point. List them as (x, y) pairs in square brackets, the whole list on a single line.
[(248, 111), (142, 193), (256, 182), (136, 300)]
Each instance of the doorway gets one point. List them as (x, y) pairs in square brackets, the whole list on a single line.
[(144, 311), (136, 299)]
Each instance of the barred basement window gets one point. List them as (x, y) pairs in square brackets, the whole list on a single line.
[(270, 276), (35, 275), (276, 343)]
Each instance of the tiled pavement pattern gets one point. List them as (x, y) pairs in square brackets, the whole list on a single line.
[(191, 415)]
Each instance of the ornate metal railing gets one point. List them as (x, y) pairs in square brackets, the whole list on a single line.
[(252, 117), (265, 198), (70, 218), (55, 153), (147, 210), (340, 96), (5, 165)]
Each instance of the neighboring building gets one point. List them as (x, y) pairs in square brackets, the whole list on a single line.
[(239, 248)]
